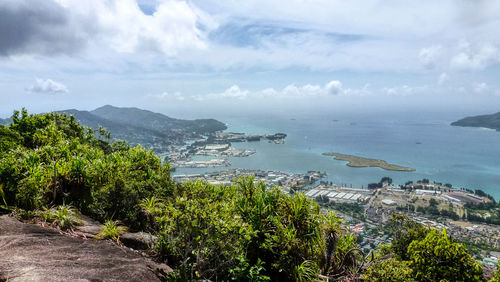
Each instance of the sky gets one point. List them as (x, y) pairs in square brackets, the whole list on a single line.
[(201, 58)]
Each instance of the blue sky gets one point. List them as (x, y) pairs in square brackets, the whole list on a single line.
[(200, 57)]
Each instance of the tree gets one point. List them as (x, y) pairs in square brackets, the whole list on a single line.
[(9, 139), (438, 258), (386, 179), (388, 270), (433, 202), (496, 275), (404, 232)]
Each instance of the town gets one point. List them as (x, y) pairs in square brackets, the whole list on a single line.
[(217, 145)]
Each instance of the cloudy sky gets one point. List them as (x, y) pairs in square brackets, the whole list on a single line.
[(200, 57)]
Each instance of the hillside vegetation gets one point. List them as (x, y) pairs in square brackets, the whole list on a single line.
[(240, 232), (487, 121)]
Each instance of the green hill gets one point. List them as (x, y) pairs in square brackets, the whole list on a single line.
[(130, 133), (487, 121), (155, 121), (136, 126)]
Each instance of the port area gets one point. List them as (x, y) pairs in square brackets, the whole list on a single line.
[(340, 193), (277, 138), (219, 147)]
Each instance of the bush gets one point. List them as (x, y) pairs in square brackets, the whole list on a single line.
[(58, 161), (388, 270), (438, 258), (206, 230), (496, 275), (404, 232), (63, 217), (111, 230)]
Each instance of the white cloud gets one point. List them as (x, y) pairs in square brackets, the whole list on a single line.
[(170, 96), (298, 91), (405, 90), (234, 92), (480, 87), (290, 91), (475, 57), (334, 87), (443, 78), (48, 86), (428, 56), (364, 91)]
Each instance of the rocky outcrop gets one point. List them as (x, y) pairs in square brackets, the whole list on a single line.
[(29, 252)]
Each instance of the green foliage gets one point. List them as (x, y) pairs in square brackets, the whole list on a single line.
[(386, 179), (111, 230), (9, 139), (433, 202), (421, 254), (206, 230), (59, 161), (404, 232), (496, 275), (62, 216), (439, 258), (200, 234), (388, 270), (246, 272), (306, 271), (2, 195)]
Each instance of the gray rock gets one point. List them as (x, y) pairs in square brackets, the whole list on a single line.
[(29, 252), (138, 241)]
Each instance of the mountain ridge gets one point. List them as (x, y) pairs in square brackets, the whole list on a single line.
[(152, 130)]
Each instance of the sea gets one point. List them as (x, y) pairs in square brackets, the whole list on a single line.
[(462, 156)]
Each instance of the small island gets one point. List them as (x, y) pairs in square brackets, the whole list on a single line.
[(355, 161)]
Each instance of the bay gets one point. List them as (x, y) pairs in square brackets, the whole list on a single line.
[(464, 157)]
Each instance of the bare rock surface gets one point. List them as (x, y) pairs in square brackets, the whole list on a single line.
[(29, 252)]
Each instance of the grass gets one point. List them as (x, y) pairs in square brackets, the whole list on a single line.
[(111, 230)]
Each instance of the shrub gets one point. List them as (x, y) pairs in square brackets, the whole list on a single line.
[(62, 216), (438, 258), (496, 275), (206, 230), (111, 230), (389, 269)]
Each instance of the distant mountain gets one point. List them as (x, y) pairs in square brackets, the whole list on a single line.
[(5, 121), (487, 121), (156, 121), (152, 130)]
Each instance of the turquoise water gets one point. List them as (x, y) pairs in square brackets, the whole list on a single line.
[(464, 157)]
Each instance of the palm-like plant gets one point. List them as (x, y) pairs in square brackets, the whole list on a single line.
[(111, 230)]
